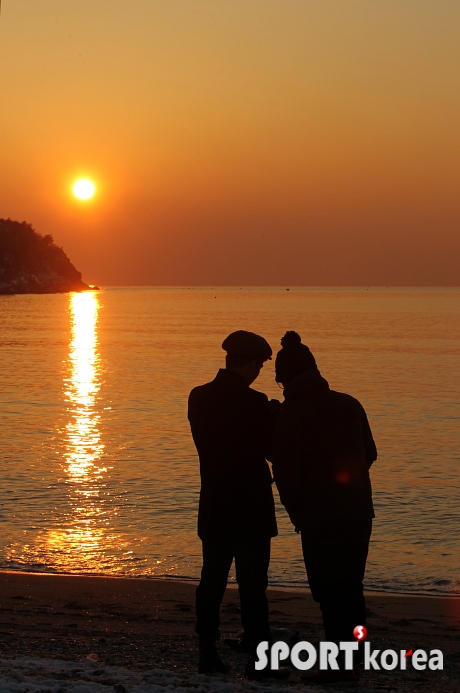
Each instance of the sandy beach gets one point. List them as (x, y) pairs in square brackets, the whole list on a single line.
[(130, 626)]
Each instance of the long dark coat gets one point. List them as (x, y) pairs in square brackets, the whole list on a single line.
[(231, 427), (322, 450)]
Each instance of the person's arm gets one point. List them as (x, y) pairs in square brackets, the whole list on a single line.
[(263, 419), (370, 448)]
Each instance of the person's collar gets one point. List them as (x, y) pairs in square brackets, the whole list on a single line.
[(231, 376)]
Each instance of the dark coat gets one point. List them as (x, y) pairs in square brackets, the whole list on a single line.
[(322, 450), (231, 426)]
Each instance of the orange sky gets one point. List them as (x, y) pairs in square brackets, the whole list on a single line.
[(297, 142)]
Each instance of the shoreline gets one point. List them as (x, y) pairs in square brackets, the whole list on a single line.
[(143, 624), (230, 585)]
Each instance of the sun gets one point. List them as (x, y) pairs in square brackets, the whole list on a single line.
[(83, 189)]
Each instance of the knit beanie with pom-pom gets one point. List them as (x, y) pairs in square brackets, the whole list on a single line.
[(293, 359)]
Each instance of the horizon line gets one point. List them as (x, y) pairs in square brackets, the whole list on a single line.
[(280, 286)]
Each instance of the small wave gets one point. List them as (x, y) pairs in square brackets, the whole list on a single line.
[(436, 588)]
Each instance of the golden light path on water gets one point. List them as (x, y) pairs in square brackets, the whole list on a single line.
[(84, 447), (81, 544), (83, 523)]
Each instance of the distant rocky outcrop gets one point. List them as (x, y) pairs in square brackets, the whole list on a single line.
[(33, 264)]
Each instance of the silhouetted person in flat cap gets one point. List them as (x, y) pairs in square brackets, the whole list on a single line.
[(322, 450), (232, 426)]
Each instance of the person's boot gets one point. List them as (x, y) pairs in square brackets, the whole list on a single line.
[(209, 660), (253, 674), (239, 644)]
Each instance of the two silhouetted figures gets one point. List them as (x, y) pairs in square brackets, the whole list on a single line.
[(321, 447)]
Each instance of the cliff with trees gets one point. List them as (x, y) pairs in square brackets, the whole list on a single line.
[(33, 264)]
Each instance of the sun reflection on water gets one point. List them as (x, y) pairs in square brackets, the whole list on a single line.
[(84, 447), (81, 542), (84, 541)]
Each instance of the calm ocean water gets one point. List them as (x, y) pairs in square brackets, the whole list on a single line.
[(98, 469)]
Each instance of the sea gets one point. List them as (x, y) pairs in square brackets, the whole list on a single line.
[(98, 470)]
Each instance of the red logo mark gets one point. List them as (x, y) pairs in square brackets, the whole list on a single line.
[(408, 654), (360, 633)]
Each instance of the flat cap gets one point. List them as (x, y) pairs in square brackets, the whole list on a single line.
[(247, 344)]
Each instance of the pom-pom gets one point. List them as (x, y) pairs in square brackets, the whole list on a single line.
[(291, 339)]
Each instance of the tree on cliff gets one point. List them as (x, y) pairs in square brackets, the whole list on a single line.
[(32, 263)]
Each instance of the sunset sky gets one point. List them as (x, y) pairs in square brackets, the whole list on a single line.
[(237, 142)]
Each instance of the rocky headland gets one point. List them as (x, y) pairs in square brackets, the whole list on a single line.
[(33, 264)]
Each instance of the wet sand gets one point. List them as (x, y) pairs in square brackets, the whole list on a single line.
[(147, 623)]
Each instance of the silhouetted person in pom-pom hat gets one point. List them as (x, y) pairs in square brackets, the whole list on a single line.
[(232, 427), (322, 450)]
